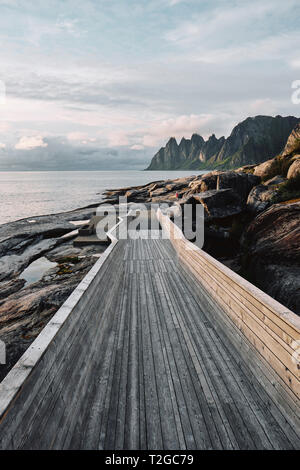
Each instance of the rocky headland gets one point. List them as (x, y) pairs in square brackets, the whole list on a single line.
[(250, 142), (252, 217)]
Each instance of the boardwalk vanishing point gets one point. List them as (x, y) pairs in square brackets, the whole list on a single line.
[(159, 347)]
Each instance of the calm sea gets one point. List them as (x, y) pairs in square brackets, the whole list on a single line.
[(27, 194)]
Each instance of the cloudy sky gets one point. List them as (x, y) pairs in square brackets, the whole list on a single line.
[(102, 84)]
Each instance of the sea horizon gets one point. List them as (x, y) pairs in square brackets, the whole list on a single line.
[(26, 194)]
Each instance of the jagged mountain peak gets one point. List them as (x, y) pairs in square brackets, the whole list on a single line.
[(252, 141)]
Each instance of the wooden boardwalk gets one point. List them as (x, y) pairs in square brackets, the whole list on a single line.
[(168, 379), (160, 375)]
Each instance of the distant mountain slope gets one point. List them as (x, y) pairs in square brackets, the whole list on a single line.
[(252, 141)]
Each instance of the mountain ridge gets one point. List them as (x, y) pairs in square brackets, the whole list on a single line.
[(252, 141)]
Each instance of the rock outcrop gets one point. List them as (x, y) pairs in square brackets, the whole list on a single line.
[(272, 253), (260, 198), (219, 203), (293, 142), (266, 169), (294, 169), (251, 142)]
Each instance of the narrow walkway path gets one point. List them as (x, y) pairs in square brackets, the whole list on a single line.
[(162, 378), (157, 374)]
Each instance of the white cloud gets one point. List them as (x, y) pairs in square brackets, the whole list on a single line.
[(4, 127), (137, 147), (270, 48), (118, 138), (295, 63), (221, 19), (69, 26), (160, 130), (29, 143), (76, 136), (263, 106), (181, 126)]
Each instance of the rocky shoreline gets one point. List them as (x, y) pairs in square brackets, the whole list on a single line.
[(252, 217), (25, 308)]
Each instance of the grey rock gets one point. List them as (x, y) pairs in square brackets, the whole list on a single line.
[(260, 198), (241, 183), (136, 195), (276, 232), (10, 287), (13, 264), (275, 181), (293, 142), (272, 253), (159, 192), (266, 169), (294, 169), (219, 203)]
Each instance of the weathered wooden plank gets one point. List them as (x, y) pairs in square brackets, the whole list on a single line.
[(276, 336), (167, 418), (173, 398), (247, 297), (92, 428), (282, 369), (65, 396), (153, 423), (216, 422), (131, 398), (260, 375), (117, 406), (46, 389), (220, 395), (199, 415), (180, 407), (225, 383), (142, 406)]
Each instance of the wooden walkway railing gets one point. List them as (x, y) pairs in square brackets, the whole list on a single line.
[(272, 330)]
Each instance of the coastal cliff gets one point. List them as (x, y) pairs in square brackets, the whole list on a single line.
[(251, 142)]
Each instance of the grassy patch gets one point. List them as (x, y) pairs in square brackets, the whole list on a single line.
[(288, 191), (63, 269), (65, 264)]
